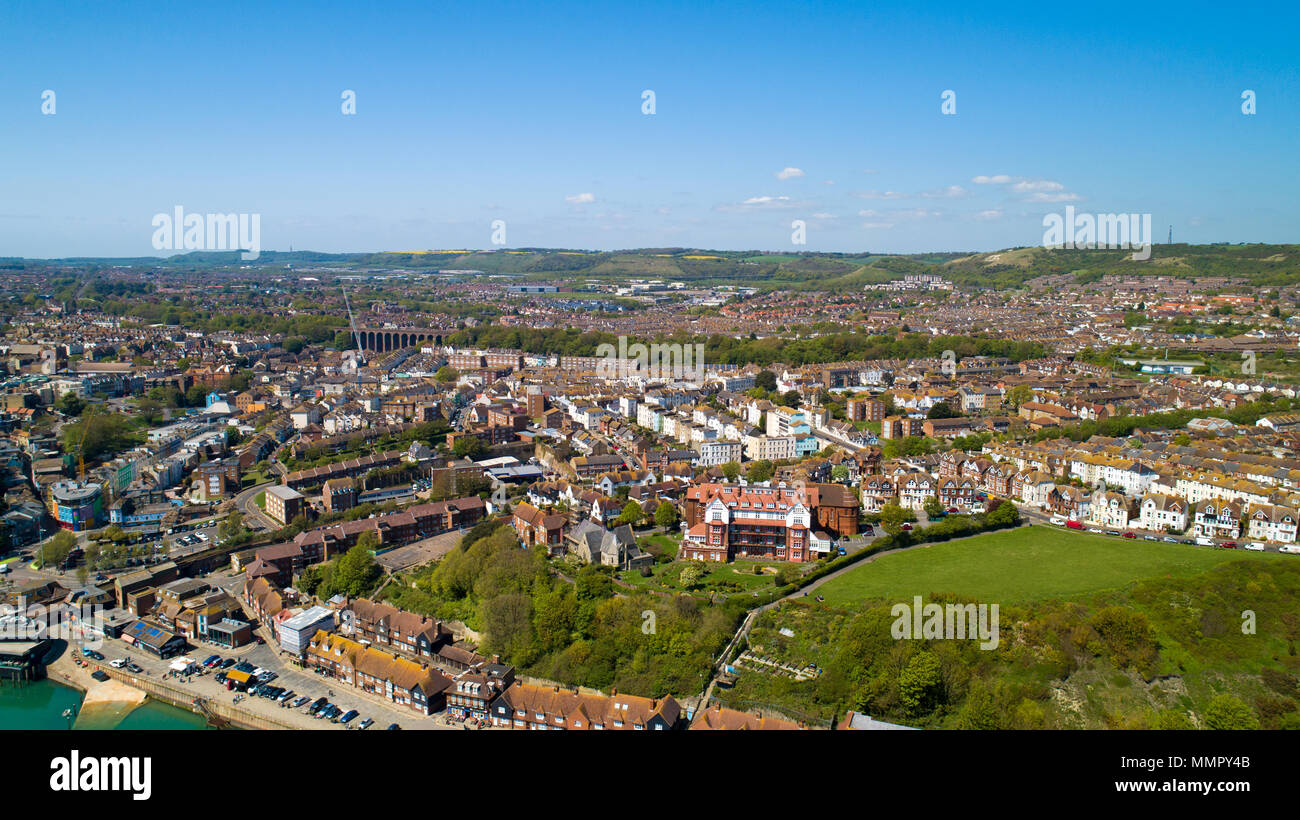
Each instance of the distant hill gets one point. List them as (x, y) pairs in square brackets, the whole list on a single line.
[(1262, 265)]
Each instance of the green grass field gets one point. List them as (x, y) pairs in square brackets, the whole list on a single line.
[(1026, 564)]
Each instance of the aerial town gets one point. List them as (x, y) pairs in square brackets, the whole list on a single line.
[(309, 495)]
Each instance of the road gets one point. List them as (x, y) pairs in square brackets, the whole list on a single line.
[(302, 681), (254, 518)]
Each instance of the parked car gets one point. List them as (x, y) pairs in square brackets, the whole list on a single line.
[(1057, 520), (1293, 549), (317, 705), (228, 662), (366, 724), (1130, 535), (1168, 539), (1256, 546), (117, 663), (133, 668), (300, 702), (212, 661), (349, 715), (92, 654), (843, 551), (99, 675), (1229, 545), (1074, 525), (1150, 538), (1095, 529), (392, 727), (906, 527), (285, 695)]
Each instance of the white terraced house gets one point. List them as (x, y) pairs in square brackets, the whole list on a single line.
[(1268, 522), (1111, 509), (1161, 512), (914, 489), (1217, 519)]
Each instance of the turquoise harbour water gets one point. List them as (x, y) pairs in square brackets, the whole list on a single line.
[(40, 705)]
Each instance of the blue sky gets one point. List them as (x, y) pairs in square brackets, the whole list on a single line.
[(532, 114)]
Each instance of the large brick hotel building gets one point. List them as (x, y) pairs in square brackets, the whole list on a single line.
[(785, 523)]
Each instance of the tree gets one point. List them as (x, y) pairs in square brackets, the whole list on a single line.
[(666, 515), (56, 550), (447, 373), (691, 575), (920, 684), (942, 410), (892, 518), (761, 470), (765, 379), (70, 404), (632, 514), (731, 470), (1018, 395), (1229, 712), (357, 570), (471, 447), (344, 340), (294, 345)]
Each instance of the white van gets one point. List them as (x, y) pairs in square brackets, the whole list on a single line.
[(1205, 542), (1294, 549), (1058, 521), (1257, 546)]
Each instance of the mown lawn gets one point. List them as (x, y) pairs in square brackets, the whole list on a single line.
[(1026, 564)]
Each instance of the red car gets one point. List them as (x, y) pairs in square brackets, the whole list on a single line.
[(907, 526), (1229, 545), (1074, 525), (1130, 535)]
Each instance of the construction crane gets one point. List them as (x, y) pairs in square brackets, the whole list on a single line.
[(356, 338)]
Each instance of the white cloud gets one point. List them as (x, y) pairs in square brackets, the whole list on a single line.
[(989, 215), (1058, 197), (881, 195), (1026, 186), (823, 216), (789, 173), (951, 192), (580, 199), (768, 203), (1031, 190)]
